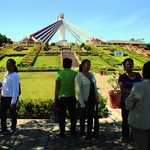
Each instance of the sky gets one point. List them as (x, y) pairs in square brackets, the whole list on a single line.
[(107, 19)]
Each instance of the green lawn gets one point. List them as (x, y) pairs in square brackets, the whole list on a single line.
[(9, 50), (36, 85), (41, 84), (96, 61), (48, 61), (139, 59), (16, 58)]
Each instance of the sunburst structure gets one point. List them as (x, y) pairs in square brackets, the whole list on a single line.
[(46, 34)]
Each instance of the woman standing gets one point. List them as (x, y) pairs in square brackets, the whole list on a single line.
[(9, 96), (87, 94), (126, 82)]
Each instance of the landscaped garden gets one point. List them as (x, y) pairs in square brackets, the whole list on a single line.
[(37, 70)]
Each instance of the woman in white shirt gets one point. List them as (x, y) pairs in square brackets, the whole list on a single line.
[(9, 96), (87, 94)]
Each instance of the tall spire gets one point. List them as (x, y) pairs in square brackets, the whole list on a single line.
[(61, 37), (79, 35)]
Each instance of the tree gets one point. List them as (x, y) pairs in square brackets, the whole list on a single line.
[(4, 39), (132, 39), (87, 47), (46, 46), (82, 45), (52, 44)]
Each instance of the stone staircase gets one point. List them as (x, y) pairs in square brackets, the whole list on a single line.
[(71, 55)]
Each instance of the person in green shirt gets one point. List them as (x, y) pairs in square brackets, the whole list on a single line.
[(65, 96)]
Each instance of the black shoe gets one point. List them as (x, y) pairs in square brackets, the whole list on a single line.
[(12, 132), (61, 136), (94, 136), (88, 138), (73, 133), (124, 140), (83, 137), (131, 139), (4, 132)]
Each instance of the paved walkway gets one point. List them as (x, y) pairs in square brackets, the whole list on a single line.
[(41, 134)]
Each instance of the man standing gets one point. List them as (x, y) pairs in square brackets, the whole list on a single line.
[(65, 96)]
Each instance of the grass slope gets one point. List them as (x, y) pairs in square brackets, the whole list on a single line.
[(36, 85)]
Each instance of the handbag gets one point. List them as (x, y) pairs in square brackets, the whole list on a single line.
[(54, 114)]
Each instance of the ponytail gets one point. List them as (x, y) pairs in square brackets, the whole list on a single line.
[(80, 68), (16, 69)]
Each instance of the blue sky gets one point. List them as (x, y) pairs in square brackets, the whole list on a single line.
[(109, 19)]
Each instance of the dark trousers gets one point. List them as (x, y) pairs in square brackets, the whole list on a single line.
[(87, 113), (5, 105), (64, 104), (141, 139), (125, 125)]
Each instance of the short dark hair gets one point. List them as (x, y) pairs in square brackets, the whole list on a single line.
[(67, 62), (146, 70), (127, 59)]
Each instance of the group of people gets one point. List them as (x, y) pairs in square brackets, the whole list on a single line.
[(65, 96), (135, 104), (70, 83), (135, 100)]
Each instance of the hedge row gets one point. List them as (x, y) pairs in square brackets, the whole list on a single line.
[(38, 69), (87, 54), (42, 109), (48, 53), (34, 109), (30, 58)]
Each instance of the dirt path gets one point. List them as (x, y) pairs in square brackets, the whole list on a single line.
[(103, 88)]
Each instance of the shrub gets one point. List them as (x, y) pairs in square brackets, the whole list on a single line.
[(34, 109), (82, 45), (45, 47), (102, 109), (52, 44), (87, 47), (41, 109)]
